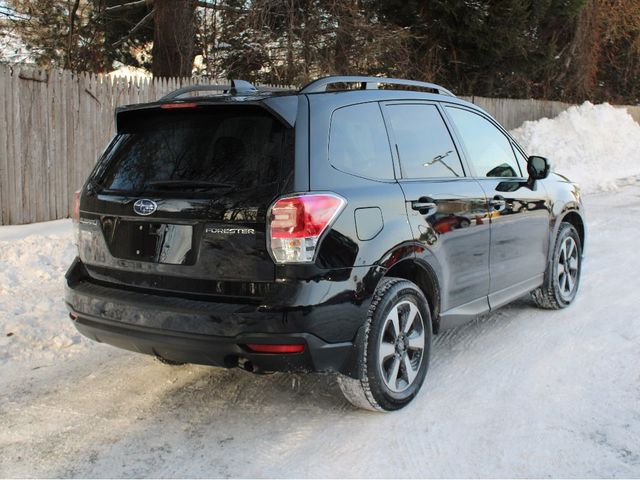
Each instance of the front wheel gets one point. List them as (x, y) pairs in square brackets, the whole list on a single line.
[(562, 277), (394, 348)]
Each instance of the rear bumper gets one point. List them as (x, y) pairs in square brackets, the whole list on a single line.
[(215, 332), (318, 356)]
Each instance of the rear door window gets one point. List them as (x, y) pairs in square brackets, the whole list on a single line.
[(358, 142), (196, 150), (424, 144), (488, 148)]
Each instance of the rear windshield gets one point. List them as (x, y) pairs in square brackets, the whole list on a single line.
[(195, 150)]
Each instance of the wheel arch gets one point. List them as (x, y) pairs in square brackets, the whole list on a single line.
[(575, 219), (425, 278)]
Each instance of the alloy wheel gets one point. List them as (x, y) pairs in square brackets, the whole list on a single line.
[(567, 268), (401, 347)]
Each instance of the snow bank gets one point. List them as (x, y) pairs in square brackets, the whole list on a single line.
[(593, 145), (33, 322), (57, 228)]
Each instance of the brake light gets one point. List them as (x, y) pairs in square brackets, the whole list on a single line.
[(296, 225), (170, 106), (271, 348)]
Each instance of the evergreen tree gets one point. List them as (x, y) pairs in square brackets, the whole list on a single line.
[(486, 47)]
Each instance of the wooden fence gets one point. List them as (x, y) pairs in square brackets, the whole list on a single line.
[(54, 124)]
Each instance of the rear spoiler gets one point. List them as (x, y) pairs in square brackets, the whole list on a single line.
[(284, 107)]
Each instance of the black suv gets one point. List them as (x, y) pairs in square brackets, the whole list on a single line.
[(332, 229)]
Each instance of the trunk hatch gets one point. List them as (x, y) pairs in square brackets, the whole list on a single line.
[(183, 193)]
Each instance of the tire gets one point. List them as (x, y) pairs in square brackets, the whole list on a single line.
[(391, 367), (166, 361), (562, 278)]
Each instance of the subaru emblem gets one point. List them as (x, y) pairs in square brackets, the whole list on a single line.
[(144, 206)]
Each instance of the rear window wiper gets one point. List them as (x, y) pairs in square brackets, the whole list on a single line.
[(171, 184)]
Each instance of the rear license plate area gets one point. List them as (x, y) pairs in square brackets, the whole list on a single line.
[(151, 242)]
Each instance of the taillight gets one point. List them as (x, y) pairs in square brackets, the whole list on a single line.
[(76, 206), (296, 225), (75, 216)]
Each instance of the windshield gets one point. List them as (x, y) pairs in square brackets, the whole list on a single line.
[(195, 150)]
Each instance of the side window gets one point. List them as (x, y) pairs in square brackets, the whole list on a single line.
[(489, 149), (358, 142), (424, 144)]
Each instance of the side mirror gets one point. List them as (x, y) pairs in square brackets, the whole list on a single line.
[(538, 168)]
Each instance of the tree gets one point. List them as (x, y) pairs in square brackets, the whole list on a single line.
[(174, 31), (613, 65), (91, 34), (61, 33), (128, 33), (173, 38), (486, 47), (555, 49)]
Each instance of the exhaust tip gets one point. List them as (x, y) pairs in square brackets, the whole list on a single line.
[(245, 364)]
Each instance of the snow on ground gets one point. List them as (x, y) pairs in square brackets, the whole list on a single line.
[(33, 259), (521, 392), (594, 145)]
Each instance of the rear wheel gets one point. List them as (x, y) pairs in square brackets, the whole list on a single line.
[(166, 361), (563, 272), (394, 348)]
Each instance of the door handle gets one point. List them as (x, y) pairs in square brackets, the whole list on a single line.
[(423, 205), (497, 202)]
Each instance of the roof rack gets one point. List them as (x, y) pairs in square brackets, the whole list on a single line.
[(237, 87), (370, 83)]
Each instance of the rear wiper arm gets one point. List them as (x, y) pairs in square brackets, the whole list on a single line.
[(188, 184)]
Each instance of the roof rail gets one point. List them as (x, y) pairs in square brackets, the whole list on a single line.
[(370, 83), (237, 87)]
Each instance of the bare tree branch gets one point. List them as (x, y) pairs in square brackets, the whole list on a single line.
[(12, 14), (224, 8), (146, 19), (201, 3), (128, 6)]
